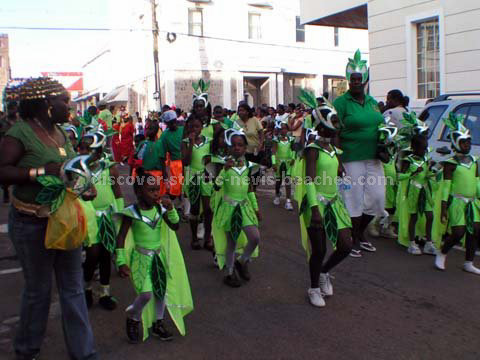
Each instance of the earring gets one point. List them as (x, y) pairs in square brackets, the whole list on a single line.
[(49, 111)]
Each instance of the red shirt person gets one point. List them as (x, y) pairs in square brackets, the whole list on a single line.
[(127, 131)]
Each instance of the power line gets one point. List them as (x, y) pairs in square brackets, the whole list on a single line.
[(177, 33)]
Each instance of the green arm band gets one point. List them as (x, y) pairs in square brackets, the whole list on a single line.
[(121, 256), (311, 194), (120, 204), (172, 216), (274, 160), (253, 200), (446, 187)]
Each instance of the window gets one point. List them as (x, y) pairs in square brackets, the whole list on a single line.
[(428, 59), (300, 30), (254, 28), (335, 36), (195, 22), (431, 116), (472, 122)]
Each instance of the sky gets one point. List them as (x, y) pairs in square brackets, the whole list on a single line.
[(34, 51)]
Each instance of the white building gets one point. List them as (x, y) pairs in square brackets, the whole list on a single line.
[(424, 48), (247, 49)]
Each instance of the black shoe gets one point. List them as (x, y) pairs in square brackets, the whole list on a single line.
[(133, 331), (242, 270), (108, 302), (158, 329), (232, 280), (89, 297)]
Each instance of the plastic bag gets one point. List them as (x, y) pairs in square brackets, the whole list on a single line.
[(67, 227)]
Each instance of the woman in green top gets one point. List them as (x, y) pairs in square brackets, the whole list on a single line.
[(359, 121), (198, 189), (36, 146)]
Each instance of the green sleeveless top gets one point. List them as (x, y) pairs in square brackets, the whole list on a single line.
[(146, 226), (327, 170), (236, 182), (464, 180), (416, 163), (199, 151), (284, 148), (105, 196), (36, 154)]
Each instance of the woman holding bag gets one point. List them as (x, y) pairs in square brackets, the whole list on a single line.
[(33, 147)]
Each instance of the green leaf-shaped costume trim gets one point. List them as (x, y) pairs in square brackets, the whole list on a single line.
[(330, 224), (303, 205), (236, 223), (357, 65), (159, 277), (201, 86), (422, 200), (454, 122), (53, 192), (409, 119), (308, 99), (469, 218), (106, 233), (194, 190)]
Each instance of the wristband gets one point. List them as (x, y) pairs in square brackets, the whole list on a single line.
[(311, 194), (274, 160), (172, 216), (32, 174), (121, 256), (446, 186), (253, 200)]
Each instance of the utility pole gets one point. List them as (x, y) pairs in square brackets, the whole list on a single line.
[(158, 88)]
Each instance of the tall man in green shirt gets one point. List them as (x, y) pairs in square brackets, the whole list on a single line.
[(171, 143), (364, 186)]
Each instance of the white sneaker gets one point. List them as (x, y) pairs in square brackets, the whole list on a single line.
[(469, 267), (200, 231), (288, 205), (429, 248), (276, 201), (389, 233), (373, 228), (414, 249), (440, 260), (315, 297), (326, 285)]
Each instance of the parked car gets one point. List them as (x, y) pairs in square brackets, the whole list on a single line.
[(466, 104)]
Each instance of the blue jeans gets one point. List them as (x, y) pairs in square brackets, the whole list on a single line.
[(27, 234)]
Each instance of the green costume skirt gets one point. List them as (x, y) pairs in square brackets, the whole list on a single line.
[(92, 227), (419, 198), (224, 215), (457, 212), (283, 165), (391, 185)]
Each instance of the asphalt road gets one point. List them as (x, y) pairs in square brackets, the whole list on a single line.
[(387, 305)]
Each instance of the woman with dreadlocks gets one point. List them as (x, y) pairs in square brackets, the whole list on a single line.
[(323, 215)]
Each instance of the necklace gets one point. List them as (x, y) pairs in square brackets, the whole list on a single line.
[(61, 149)]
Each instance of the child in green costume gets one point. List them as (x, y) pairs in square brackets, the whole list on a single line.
[(148, 252), (323, 215), (195, 147), (415, 170), (460, 193), (236, 214), (283, 160), (109, 199)]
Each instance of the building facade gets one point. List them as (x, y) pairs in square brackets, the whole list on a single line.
[(249, 50), (424, 48), (5, 73)]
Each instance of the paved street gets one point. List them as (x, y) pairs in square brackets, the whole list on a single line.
[(388, 305)]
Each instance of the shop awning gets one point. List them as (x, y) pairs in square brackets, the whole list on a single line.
[(117, 95)]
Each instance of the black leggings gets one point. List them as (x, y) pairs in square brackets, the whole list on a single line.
[(318, 242), (97, 255), (470, 242)]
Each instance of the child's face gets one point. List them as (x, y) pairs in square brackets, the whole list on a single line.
[(196, 127), (238, 146), (420, 149), (218, 114), (199, 107), (465, 145), (284, 130), (149, 193)]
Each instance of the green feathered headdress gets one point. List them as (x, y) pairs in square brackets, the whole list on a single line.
[(413, 124), (357, 65), (322, 113), (458, 131), (201, 91)]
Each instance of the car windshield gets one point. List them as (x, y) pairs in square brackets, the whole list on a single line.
[(431, 116)]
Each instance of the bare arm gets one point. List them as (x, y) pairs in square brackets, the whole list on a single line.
[(122, 235), (12, 151), (117, 191)]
